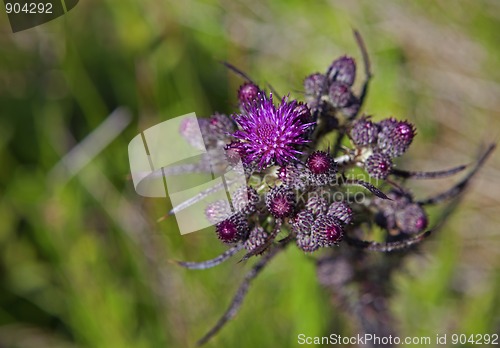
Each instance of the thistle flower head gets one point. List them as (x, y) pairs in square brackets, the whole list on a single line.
[(245, 200), (328, 230), (378, 165), (256, 238), (343, 70), (395, 136), (247, 93), (412, 219), (302, 222), (342, 211), (233, 229), (317, 204), (268, 134), (364, 132), (280, 201), (340, 94), (322, 168), (313, 84)]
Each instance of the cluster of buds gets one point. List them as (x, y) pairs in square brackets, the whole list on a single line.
[(295, 187)]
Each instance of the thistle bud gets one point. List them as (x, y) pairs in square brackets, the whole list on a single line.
[(190, 129), (322, 167), (307, 242), (340, 94), (293, 176), (256, 238), (302, 222), (395, 137), (341, 211), (328, 230), (412, 219), (313, 84), (233, 229), (245, 200), (343, 70), (364, 132), (280, 201), (304, 113), (247, 93), (317, 204), (378, 165)]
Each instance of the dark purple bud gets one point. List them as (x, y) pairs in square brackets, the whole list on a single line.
[(245, 200), (317, 204), (217, 211), (412, 219), (328, 230), (307, 242), (343, 70), (341, 211), (233, 229), (313, 84), (395, 136), (303, 111), (322, 167), (340, 94), (385, 217), (319, 162), (248, 92), (364, 132), (280, 201), (302, 222), (378, 165), (256, 238), (293, 176)]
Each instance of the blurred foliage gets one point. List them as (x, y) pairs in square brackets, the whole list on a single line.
[(83, 262)]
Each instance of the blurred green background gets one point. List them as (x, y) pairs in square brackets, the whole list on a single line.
[(83, 260)]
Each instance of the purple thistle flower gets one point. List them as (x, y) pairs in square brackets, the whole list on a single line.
[(268, 134)]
